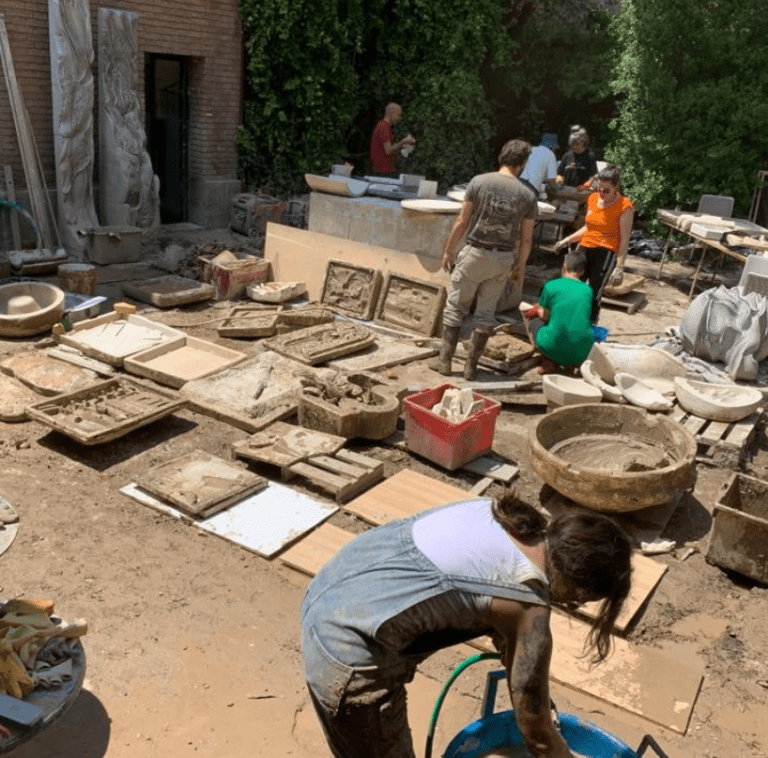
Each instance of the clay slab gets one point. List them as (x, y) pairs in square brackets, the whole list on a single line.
[(263, 523), (426, 205), (176, 363), (283, 444), (14, 399), (169, 291), (351, 289), (385, 352), (47, 375), (411, 304), (249, 322), (111, 338), (199, 483), (103, 412), (317, 344)]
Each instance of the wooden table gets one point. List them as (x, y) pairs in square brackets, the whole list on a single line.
[(735, 232)]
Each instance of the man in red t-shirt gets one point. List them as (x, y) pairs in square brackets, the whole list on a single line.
[(383, 150)]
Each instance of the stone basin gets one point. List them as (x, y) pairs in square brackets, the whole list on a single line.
[(613, 458), (717, 402), (350, 419), (28, 308)]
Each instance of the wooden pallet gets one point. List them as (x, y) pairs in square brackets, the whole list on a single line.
[(720, 443), (345, 474), (630, 302)]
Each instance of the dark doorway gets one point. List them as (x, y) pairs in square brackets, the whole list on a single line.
[(168, 132)]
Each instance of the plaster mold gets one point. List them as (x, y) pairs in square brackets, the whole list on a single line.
[(28, 308), (72, 92), (610, 392), (563, 390), (129, 189), (640, 393), (613, 458), (717, 402)]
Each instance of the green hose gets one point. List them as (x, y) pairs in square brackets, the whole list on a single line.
[(444, 691)]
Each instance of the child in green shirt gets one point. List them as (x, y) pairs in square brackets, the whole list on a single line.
[(561, 324)]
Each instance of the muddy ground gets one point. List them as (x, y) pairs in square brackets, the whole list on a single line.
[(193, 642)]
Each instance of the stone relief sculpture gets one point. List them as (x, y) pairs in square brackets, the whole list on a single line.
[(129, 189), (72, 90)]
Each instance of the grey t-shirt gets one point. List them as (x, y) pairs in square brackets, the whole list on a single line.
[(500, 203)]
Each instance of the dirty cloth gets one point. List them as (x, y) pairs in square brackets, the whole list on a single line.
[(389, 599), (723, 324)]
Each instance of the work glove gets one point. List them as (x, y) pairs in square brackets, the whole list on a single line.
[(617, 277), (532, 313)]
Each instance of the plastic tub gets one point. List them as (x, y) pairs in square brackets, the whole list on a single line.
[(441, 441)]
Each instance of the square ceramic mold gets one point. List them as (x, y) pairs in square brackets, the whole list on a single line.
[(177, 362), (112, 338), (169, 291)]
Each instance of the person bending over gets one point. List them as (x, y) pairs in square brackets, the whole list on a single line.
[(561, 324), (399, 592), (604, 238)]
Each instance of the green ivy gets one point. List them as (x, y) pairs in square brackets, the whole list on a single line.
[(693, 89)]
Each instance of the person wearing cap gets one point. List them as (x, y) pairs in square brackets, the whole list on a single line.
[(541, 167), (578, 167)]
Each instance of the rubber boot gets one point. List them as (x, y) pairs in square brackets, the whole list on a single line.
[(476, 347), (442, 364)]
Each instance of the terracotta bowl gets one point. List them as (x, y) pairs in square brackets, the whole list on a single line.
[(642, 459), (20, 322)]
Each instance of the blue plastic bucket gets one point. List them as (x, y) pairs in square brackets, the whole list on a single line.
[(499, 731), (600, 333)]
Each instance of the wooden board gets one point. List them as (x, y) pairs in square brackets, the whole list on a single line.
[(641, 680), (310, 554), (301, 255), (402, 495), (720, 443), (630, 303), (345, 474), (10, 191)]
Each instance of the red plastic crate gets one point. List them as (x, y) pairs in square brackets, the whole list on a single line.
[(440, 440)]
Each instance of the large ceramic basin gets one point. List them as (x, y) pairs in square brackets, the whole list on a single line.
[(28, 308), (613, 458)]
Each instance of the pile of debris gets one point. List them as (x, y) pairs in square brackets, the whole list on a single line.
[(458, 405)]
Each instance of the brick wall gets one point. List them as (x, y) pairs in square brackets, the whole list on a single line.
[(206, 31)]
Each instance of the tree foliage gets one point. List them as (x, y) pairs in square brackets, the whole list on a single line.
[(470, 74), (693, 89)]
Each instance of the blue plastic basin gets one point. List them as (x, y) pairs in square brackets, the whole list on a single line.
[(500, 731)]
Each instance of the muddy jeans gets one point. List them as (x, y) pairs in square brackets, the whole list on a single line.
[(478, 272)]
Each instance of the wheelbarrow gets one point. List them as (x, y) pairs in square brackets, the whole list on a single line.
[(498, 731)]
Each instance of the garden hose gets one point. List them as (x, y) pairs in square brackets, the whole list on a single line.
[(444, 691)]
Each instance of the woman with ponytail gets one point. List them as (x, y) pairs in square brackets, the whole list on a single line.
[(400, 592)]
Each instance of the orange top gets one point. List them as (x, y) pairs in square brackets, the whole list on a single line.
[(603, 223)]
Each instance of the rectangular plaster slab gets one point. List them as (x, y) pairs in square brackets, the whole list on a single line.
[(176, 363), (199, 483), (385, 352), (112, 338), (275, 377), (105, 411), (411, 304), (250, 321), (318, 344), (168, 291), (263, 523), (351, 289)]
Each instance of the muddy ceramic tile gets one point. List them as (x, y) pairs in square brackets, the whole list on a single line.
[(351, 289), (317, 344), (47, 375), (169, 291), (411, 304)]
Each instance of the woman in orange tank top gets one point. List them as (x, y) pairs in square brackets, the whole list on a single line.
[(604, 238)]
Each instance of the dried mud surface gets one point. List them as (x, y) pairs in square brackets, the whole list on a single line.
[(193, 643)]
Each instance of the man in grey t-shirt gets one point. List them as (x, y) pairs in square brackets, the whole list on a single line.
[(498, 215)]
